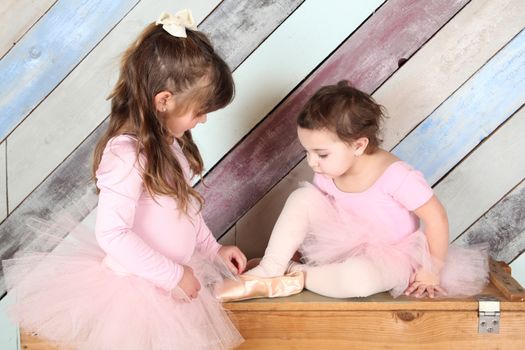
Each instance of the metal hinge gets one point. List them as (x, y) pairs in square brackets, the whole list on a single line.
[(489, 315)]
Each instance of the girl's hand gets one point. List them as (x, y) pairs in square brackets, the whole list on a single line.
[(424, 282), (233, 258), (189, 284)]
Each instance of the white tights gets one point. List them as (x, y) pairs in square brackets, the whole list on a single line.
[(355, 277)]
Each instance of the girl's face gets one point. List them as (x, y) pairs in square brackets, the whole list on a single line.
[(177, 125), (326, 153)]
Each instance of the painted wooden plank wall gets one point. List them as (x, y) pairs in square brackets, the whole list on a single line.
[(74, 172), (64, 35), (484, 177), (13, 27), (3, 183), (8, 330), (272, 150), (468, 116)]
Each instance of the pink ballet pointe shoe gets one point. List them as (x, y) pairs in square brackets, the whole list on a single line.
[(251, 287)]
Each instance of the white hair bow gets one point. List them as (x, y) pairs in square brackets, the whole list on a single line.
[(176, 24)]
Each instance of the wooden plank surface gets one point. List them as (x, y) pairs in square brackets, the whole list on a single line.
[(467, 117), (70, 183), (244, 25), (503, 226), (473, 187), (270, 151), (3, 183), (276, 67), (453, 55), (66, 34), (54, 129), (16, 17)]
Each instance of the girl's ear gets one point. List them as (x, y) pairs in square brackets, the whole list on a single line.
[(161, 100), (360, 145)]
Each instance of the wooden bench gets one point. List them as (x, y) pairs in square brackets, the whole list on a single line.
[(310, 321)]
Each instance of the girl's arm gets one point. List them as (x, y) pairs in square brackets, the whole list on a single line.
[(435, 224), (120, 184), (232, 256)]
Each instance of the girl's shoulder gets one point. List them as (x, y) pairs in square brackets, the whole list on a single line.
[(122, 143)]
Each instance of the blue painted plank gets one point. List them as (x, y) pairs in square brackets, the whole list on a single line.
[(49, 51), (469, 115)]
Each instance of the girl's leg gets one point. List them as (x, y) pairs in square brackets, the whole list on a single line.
[(288, 233), (355, 277)]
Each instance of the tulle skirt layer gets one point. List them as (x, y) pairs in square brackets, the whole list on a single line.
[(335, 237), (68, 296)]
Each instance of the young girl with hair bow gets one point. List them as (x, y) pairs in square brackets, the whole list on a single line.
[(144, 279)]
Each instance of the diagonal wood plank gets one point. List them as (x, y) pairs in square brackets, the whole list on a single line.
[(3, 183), (244, 25), (74, 173), (503, 227), (13, 27), (65, 34), (462, 47), (485, 176), (486, 100), (272, 150), (457, 51)]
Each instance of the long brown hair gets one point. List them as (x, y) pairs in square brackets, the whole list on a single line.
[(345, 110), (199, 79)]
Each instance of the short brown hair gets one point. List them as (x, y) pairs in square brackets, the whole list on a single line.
[(345, 110)]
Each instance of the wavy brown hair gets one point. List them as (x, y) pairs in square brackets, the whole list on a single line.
[(345, 110), (199, 79)]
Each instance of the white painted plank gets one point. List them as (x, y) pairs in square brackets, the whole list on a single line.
[(3, 183), (77, 106), (8, 330), (518, 269), (412, 93), (485, 176), (16, 17), (445, 62), (277, 66)]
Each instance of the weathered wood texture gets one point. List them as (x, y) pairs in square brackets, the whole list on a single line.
[(3, 183), (238, 27), (65, 34), (272, 150), (276, 67), (468, 116), (484, 177), (17, 17), (63, 119), (503, 227), (73, 175)]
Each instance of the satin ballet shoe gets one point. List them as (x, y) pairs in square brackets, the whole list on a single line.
[(251, 287)]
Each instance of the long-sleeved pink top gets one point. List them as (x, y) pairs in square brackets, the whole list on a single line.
[(145, 236)]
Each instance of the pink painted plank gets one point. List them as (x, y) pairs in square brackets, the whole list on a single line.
[(367, 58)]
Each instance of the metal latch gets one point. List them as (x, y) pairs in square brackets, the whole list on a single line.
[(489, 315)]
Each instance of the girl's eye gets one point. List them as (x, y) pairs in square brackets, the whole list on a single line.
[(323, 155)]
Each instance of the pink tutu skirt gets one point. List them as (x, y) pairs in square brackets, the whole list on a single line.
[(334, 237), (69, 297)]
